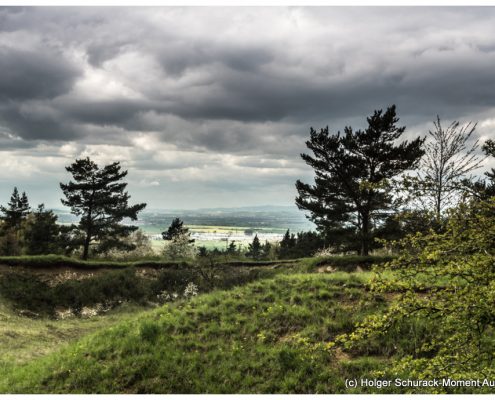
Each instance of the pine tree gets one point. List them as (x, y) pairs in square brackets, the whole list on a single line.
[(266, 249), (202, 251), (16, 210), (175, 230), (254, 248), (42, 232), (287, 243), (353, 173), (232, 248), (98, 196)]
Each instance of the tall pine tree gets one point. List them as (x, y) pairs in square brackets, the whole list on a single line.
[(352, 175), (98, 196)]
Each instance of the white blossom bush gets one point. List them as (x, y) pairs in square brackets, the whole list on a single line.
[(190, 290), (179, 248)]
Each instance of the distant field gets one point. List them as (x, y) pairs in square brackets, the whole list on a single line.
[(158, 245), (212, 228), (156, 230), (212, 236)]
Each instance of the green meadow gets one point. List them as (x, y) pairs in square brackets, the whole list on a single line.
[(275, 331)]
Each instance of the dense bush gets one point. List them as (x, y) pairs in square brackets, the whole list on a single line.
[(109, 288), (173, 280), (26, 291)]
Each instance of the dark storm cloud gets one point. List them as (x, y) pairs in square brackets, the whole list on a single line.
[(34, 74), (244, 74), (115, 112), (178, 56)]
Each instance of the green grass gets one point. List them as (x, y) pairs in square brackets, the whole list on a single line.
[(274, 335), (271, 336), (57, 261), (347, 263), (53, 261), (24, 339)]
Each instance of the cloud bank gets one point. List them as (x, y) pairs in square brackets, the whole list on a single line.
[(211, 106)]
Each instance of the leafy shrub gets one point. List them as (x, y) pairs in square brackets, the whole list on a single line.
[(27, 291), (141, 249), (179, 248), (109, 288), (447, 285)]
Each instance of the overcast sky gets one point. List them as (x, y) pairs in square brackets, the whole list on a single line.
[(210, 107)]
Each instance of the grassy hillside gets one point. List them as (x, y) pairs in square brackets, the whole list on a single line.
[(268, 336), (23, 339)]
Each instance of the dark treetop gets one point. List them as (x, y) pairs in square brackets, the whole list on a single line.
[(353, 172)]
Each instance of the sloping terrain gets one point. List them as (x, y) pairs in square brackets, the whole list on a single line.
[(23, 339), (270, 336)]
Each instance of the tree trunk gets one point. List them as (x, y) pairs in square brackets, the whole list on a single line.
[(89, 228), (87, 241), (438, 205), (365, 235)]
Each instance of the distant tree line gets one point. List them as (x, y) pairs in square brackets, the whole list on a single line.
[(27, 231)]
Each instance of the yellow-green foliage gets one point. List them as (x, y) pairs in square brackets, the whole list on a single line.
[(448, 280)]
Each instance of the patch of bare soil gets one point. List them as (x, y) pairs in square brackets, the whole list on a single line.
[(324, 269)]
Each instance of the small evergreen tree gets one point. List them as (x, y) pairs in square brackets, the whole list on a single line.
[(202, 251), (16, 211), (305, 244), (42, 232), (14, 216), (286, 245), (254, 249), (232, 248), (176, 229), (266, 249)]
